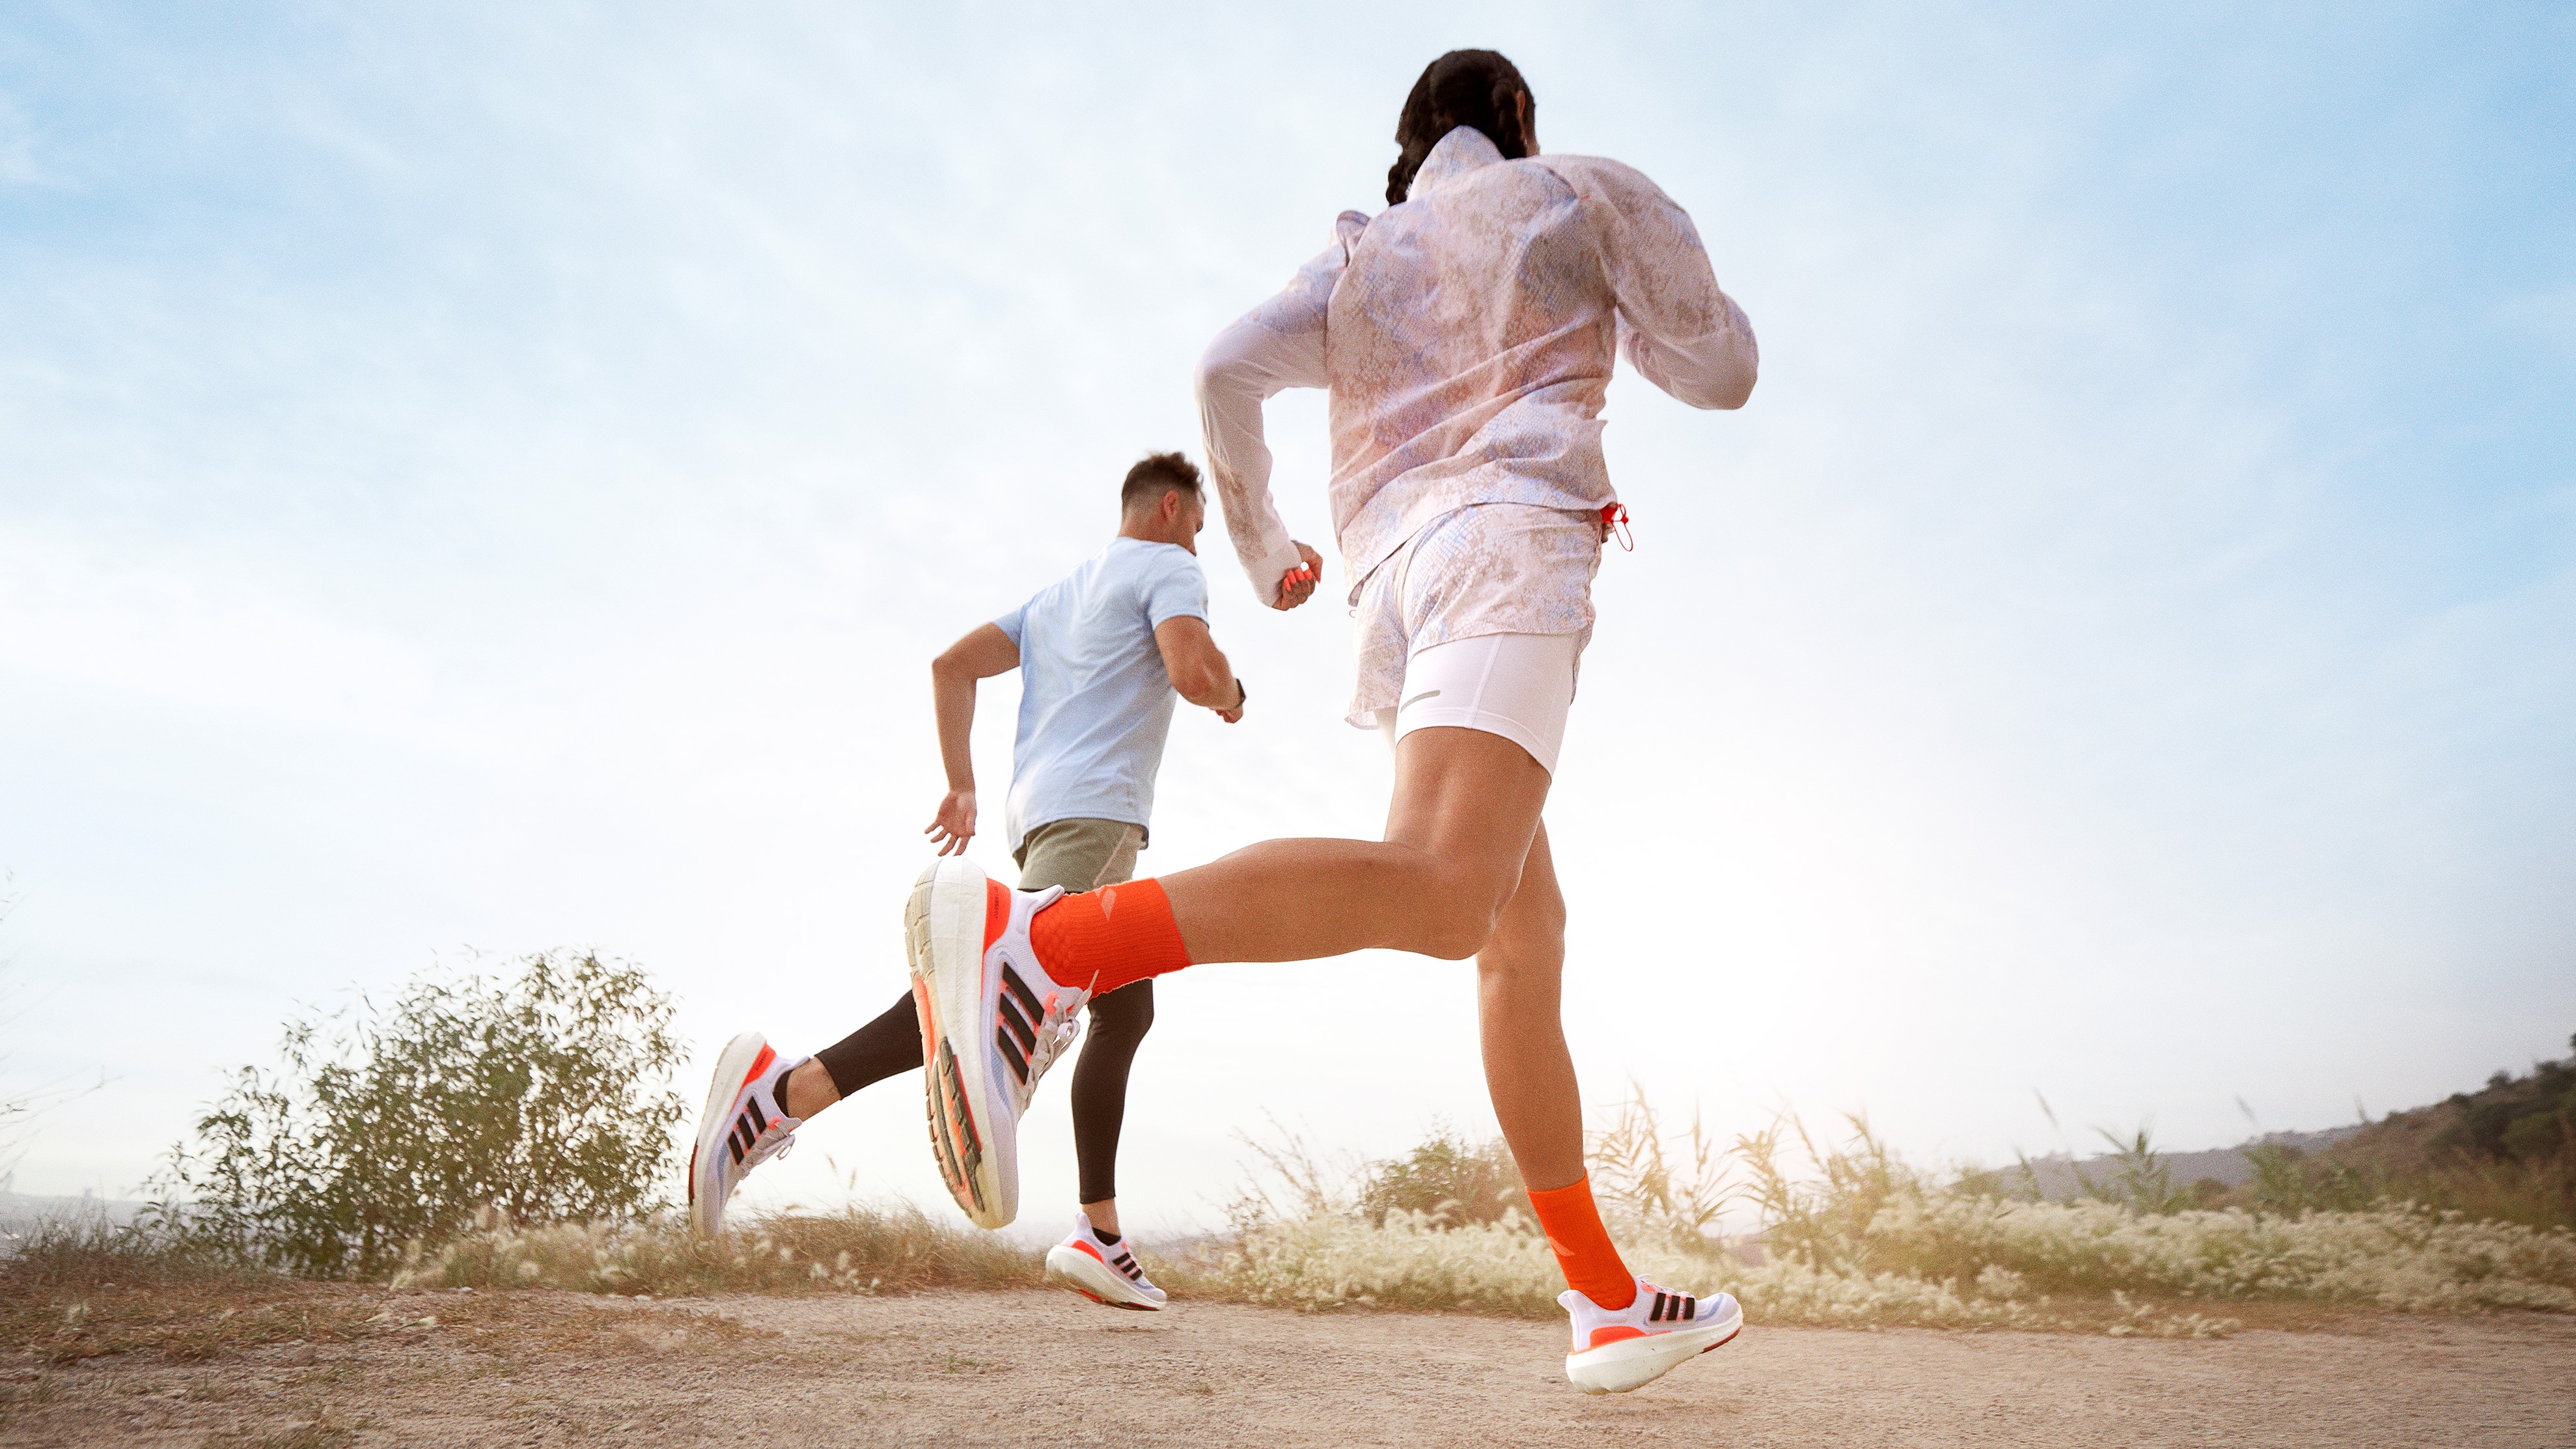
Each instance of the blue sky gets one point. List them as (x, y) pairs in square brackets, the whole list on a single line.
[(491, 480)]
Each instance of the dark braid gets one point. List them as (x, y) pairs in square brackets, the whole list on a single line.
[(1476, 88)]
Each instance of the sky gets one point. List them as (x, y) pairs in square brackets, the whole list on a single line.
[(484, 479)]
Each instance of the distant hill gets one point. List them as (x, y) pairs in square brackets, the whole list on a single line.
[(2061, 1176), (2506, 1151), (20, 1212)]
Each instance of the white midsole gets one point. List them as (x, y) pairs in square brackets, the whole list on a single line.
[(1066, 1261), (1631, 1362), (956, 928), (715, 1123)]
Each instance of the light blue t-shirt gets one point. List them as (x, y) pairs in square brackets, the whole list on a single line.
[(1095, 700)]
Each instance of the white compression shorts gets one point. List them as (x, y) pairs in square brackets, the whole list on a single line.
[(1519, 686)]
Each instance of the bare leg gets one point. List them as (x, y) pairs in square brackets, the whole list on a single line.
[(1103, 1215), (1528, 1072), (1464, 870), (1466, 808)]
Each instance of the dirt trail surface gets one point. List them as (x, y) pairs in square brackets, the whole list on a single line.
[(1044, 1368)]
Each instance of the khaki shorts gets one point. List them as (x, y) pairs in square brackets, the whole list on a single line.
[(1079, 855)]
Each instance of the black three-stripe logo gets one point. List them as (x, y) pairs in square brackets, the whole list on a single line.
[(746, 1128), (1673, 1308), (1125, 1263), (1017, 1035)]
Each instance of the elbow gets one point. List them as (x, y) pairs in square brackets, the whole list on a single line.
[(1225, 372), (1208, 380), (1730, 387)]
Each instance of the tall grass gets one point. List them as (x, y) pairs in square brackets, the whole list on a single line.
[(1853, 1235), (857, 1250)]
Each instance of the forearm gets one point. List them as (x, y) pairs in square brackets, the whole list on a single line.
[(1212, 685), (1243, 368), (952, 694)]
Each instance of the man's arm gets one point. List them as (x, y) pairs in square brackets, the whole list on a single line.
[(980, 655), (1198, 668)]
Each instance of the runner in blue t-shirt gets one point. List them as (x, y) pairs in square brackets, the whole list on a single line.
[(1101, 653)]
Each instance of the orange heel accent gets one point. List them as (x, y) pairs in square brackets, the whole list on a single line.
[(1613, 1334)]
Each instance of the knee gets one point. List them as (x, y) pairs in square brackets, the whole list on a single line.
[(1529, 940), (1456, 937), (1461, 920)]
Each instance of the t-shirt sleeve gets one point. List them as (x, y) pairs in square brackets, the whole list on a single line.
[(1012, 623), (1175, 591)]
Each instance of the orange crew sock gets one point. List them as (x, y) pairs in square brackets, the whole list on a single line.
[(1582, 1246), (1101, 940)]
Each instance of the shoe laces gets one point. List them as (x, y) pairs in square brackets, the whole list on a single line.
[(773, 1143), (1057, 1026)]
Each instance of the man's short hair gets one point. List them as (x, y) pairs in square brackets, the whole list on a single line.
[(1153, 476)]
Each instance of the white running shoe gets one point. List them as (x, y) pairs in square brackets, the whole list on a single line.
[(745, 1124), (992, 1022), (1102, 1272), (1617, 1351)]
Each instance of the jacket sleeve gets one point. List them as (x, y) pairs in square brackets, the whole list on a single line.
[(1276, 346), (1676, 326)]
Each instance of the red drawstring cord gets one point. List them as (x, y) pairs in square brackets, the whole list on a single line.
[(1614, 522)]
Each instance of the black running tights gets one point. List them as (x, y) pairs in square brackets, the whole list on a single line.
[(891, 1045)]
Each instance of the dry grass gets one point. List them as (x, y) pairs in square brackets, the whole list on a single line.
[(86, 1291), (858, 1250), (92, 1292), (1855, 1238)]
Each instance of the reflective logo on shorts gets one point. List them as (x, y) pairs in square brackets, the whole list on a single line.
[(1417, 699)]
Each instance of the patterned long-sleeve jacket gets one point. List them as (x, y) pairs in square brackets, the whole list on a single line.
[(1466, 338)]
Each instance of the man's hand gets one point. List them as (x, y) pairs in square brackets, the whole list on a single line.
[(1298, 584), (954, 825), (1234, 713)]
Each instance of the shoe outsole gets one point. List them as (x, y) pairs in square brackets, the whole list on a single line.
[(1636, 1362), (1095, 1280), (944, 944), (706, 1198)]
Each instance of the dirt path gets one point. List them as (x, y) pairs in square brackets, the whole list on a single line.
[(957, 1369)]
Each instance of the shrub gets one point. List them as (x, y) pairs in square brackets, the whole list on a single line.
[(540, 1098), (1448, 1179)]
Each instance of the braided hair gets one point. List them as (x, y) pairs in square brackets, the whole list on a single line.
[(1476, 88)]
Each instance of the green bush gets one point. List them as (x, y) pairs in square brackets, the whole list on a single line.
[(539, 1098), (1447, 1179)]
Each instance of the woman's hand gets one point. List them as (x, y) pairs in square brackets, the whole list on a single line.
[(954, 825), (1298, 584)]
